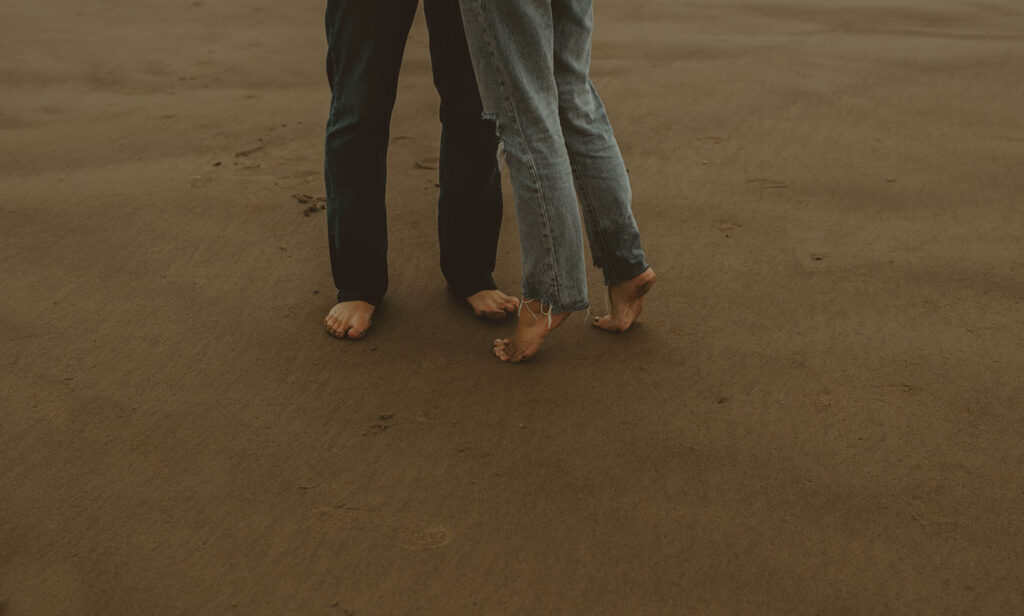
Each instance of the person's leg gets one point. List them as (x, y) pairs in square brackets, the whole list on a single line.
[(366, 40), (600, 174), (469, 207), (511, 44)]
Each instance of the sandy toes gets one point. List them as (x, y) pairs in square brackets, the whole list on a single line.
[(533, 326), (492, 304), (349, 319)]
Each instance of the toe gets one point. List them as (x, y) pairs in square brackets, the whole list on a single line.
[(333, 323), (499, 348), (338, 332), (356, 333)]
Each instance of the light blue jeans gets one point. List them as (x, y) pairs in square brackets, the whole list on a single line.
[(532, 61)]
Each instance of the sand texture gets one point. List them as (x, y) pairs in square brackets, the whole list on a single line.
[(822, 412)]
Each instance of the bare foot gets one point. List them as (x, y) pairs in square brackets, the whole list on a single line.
[(627, 302), (494, 305), (349, 319), (532, 328)]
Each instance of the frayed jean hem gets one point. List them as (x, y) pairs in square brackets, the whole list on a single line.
[(556, 307)]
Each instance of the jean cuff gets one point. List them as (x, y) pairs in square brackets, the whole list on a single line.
[(557, 307), (560, 308), (628, 272), (358, 297)]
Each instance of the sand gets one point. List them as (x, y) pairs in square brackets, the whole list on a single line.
[(820, 414)]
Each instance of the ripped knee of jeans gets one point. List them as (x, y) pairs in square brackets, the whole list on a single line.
[(490, 116)]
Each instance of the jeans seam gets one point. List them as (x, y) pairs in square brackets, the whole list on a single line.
[(588, 203), (529, 153)]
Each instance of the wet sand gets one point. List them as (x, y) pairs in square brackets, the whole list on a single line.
[(822, 413)]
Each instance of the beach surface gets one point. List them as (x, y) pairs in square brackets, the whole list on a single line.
[(822, 411)]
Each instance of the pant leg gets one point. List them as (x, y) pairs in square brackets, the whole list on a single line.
[(601, 179), (366, 41), (469, 208), (511, 44)]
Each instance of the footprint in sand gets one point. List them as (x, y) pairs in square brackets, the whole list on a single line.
[(381, 425), (245, 161), (313, 204), (427, 163)]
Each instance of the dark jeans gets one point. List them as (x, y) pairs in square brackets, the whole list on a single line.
[(366, 41)]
